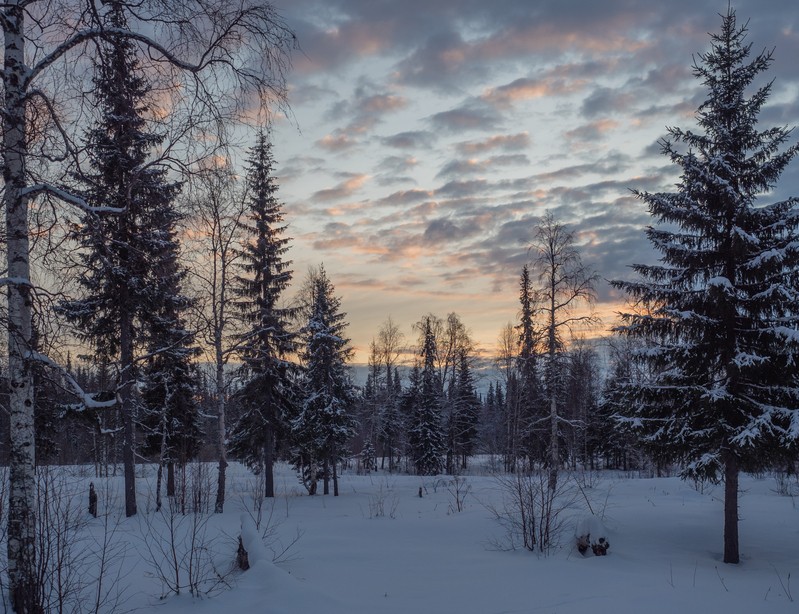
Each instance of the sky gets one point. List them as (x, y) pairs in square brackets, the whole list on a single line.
[(427, 138)]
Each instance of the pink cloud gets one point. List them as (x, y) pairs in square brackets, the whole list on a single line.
[(343, 190), (336, 142), (506, 142), (528, 89)]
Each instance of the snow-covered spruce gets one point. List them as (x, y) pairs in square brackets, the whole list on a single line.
[(723, 394)]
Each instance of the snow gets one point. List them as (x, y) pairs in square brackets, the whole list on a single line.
[(380, 548)]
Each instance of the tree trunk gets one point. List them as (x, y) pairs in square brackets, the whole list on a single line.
[(24, 588), (269, 461), (170, 478), (326, 475), (554, 451), (162, 455), (731, 554), (221, 434), (158, 480), (126, 407), (335, 478)]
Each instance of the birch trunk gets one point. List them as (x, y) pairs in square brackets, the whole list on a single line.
[(24, 589), (554, 450)]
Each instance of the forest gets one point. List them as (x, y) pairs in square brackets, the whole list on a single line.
[(153, 317)]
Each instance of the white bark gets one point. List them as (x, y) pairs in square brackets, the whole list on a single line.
[(22, 485)]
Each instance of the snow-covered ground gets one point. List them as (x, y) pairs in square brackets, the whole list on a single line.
[(380, 548)]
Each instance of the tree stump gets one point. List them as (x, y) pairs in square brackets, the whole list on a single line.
[(242, 558), (92, 500)]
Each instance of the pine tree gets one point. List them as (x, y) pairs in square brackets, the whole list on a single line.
[(122, 252), (425, 434), (324, 424), (719, 312), (269, 390)]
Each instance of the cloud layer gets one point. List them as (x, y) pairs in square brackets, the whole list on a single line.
[(433, 135)]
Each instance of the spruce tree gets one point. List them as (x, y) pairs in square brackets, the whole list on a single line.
[(265, 345), (391, 421), (324, 424), (530, 394), (719, 311), (425, 433), (467, 410), (123, 253), (171, 381)]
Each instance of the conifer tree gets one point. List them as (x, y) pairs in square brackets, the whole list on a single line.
[(530, 401), (171, 379), (123, 253), (268, 391), (324, 423), (467, 410), (425, 435), (391, 421), (719, 311)]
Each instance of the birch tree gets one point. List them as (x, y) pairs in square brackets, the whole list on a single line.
[(564, 285), (215, 212), (215, 53)]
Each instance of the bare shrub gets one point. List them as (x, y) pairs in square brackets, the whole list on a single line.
[(786, 482), (181, 552), (384, 501), (195, 488), (531, 513), (263, 511), (78, 557), (458, 488)]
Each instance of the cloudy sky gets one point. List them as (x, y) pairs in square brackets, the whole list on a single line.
[(429, 136)]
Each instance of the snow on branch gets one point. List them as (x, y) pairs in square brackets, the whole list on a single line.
[(68, 197), (15, 281), (86, 398)]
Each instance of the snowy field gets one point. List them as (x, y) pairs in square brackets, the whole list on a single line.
[(380, 548)]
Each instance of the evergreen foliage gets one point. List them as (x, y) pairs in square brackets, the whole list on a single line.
[(392, 425), (324, 423), (268, 390), (467, 411), (531, 403), (425, 432), (719, 312), (122, 254), (126, 255)]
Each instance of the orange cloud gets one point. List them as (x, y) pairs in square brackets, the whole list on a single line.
[(529, 89), (342, 190), (339, 142), (507, 142)]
